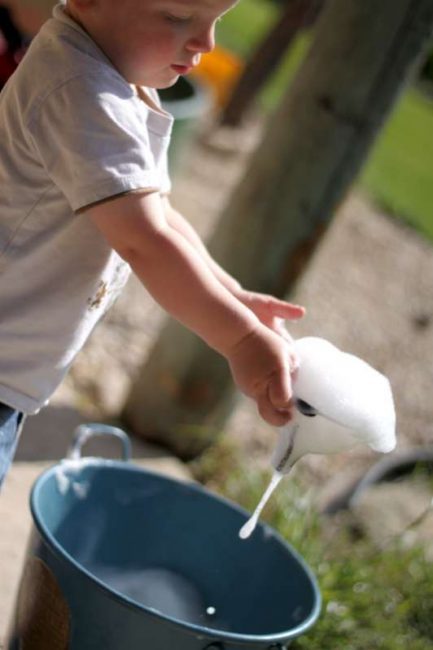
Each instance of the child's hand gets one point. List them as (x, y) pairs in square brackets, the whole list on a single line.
[(261, 365), (271, 311)]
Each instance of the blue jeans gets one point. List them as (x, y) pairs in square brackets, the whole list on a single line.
[(10, 429)]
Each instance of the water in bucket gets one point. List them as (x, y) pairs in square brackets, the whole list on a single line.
[(161, 589)]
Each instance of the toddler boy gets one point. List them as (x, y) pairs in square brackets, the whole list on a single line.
[(84, 197)]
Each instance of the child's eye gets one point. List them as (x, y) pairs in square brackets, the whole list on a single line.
[(177, 20)]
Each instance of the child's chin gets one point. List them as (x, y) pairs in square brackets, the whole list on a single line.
[(167, 83), (157, 81)]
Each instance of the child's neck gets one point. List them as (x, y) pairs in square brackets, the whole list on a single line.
[(147, 99)]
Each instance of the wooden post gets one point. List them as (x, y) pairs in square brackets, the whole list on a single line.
[(314, 146), (296, 15)]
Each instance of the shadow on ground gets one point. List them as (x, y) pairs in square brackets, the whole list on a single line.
[(48, 435)]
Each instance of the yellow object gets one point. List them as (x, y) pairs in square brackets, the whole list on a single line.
[(219, 69)]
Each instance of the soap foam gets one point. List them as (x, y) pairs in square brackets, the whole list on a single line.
[(354, 404), (68, 470), (348, 390)]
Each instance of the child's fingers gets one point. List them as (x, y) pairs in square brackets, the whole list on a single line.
[(286, 310)]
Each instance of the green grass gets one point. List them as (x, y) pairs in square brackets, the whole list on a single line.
[(243, 27), (372, 599), (398, 174)]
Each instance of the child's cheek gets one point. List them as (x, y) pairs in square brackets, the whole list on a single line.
[(165, 47)]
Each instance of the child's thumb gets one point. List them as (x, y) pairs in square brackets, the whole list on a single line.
[(280, 389)]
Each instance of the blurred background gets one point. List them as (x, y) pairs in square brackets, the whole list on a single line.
[(366, 278)]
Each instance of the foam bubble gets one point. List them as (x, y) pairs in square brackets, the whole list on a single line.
[(347, 390)]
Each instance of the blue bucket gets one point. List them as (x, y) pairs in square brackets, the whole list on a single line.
[(125, 559)]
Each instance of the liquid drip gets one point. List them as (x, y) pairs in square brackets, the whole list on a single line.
[(249, 527)]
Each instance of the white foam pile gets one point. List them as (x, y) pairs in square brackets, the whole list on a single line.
[(340, 388), (347, 390), (68, 472)]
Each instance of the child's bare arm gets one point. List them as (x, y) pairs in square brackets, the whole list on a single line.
[(171, 269), (181, 282), (179, 223)]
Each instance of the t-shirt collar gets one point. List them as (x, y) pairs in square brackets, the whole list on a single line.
[(60, 14)]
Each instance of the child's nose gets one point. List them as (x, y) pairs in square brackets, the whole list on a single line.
[(203, 42)]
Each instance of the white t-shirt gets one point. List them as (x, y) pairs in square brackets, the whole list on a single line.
[(72, 132)]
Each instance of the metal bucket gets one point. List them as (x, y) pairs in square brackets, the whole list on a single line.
[(125, 559)]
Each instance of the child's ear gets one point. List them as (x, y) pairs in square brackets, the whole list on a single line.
[(80, 8)]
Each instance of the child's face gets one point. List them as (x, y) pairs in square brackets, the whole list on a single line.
[(152, 42)]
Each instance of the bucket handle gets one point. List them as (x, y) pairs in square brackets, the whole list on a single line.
[(84, 432)]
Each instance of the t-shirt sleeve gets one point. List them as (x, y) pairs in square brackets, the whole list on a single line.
[(92, 136)]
